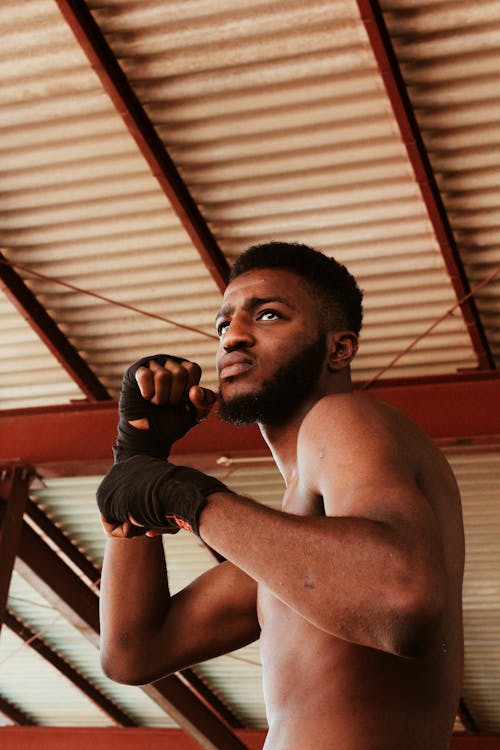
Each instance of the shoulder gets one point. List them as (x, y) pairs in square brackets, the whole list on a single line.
[(354, 436), (351, 417)]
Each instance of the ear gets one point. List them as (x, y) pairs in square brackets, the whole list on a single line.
[(342, 347)]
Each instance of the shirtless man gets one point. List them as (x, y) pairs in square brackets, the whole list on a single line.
[(354, 586)]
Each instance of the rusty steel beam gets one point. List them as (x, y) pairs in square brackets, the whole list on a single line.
[(15, 714), (40, 321), (378, 35), (79, 433), (77, 438), (110, 738), (14, 487), (119, 717), (199, 712), (37, 517), (128, 106)]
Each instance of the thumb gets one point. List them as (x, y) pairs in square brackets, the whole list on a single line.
[(202, 399)]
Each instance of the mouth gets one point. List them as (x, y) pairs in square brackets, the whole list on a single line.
[(235, 365)]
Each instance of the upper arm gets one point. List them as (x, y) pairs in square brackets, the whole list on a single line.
[(363, 462), (215, 614)]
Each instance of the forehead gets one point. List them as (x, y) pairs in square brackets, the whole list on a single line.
[(266, 282)]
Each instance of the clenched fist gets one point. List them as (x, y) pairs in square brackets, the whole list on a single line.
[(160, 400)]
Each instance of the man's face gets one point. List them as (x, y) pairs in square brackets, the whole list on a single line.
[(272, 351)]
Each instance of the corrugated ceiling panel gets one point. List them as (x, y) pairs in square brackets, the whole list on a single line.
[(79, 202), (478, 476), (31, 683), (277, 118), (450, 55), (29, 374), (31, 608)]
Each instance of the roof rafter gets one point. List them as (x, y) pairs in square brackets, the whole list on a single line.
[(117, 86), (14, 485), (44, 326), (14, 713), (378, 35), (29, 636)]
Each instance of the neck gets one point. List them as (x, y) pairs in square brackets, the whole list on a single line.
[(282, 438)]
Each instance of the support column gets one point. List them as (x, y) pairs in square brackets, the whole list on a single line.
[(15, 477)]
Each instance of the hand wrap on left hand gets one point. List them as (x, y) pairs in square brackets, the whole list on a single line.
[(156, 494)]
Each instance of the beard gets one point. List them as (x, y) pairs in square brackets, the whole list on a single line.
[(281, 394)]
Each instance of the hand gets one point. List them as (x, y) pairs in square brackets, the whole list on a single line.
[(152, 494), (160, 400), (125, 530), (173, 383)]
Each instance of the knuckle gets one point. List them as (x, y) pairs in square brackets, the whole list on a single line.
[(192, 369), (172, 366), (163, 376)]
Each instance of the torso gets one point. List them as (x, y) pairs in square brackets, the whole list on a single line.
[(325, 693)]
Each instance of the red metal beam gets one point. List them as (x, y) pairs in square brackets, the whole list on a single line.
[(116, 84), (372, 17), (92, 693), (77, 439), (14, 485), (81, 738), (35, 314)]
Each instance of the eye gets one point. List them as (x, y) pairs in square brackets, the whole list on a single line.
[(221, 327), (268, 315)]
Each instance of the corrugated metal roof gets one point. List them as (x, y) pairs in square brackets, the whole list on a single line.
[(478, 476), (310, 157), (450, 57), (41, 382)]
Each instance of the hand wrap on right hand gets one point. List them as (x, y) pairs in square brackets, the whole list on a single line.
[(155, 493), (166, 423)]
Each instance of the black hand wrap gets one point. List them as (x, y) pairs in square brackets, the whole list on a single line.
[(166, 423), (155, 493)]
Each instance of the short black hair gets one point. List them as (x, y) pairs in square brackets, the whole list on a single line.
[(340, 298)]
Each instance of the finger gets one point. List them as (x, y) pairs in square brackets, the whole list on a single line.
[(162, 379), (145, 381), (193, 373), (202, 399), (120, 530), (179, 380)]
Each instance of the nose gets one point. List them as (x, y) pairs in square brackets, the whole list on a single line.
[(237, 335)]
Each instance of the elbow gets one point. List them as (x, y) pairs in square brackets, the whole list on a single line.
[(118, 670), (414, 626), (126, 669)]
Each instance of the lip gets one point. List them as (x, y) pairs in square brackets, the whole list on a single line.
[(234, 364)]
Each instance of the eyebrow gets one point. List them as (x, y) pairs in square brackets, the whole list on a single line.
[(252, 303)]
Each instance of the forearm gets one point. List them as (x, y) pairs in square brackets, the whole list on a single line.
[(348, 576), (134, 601)]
